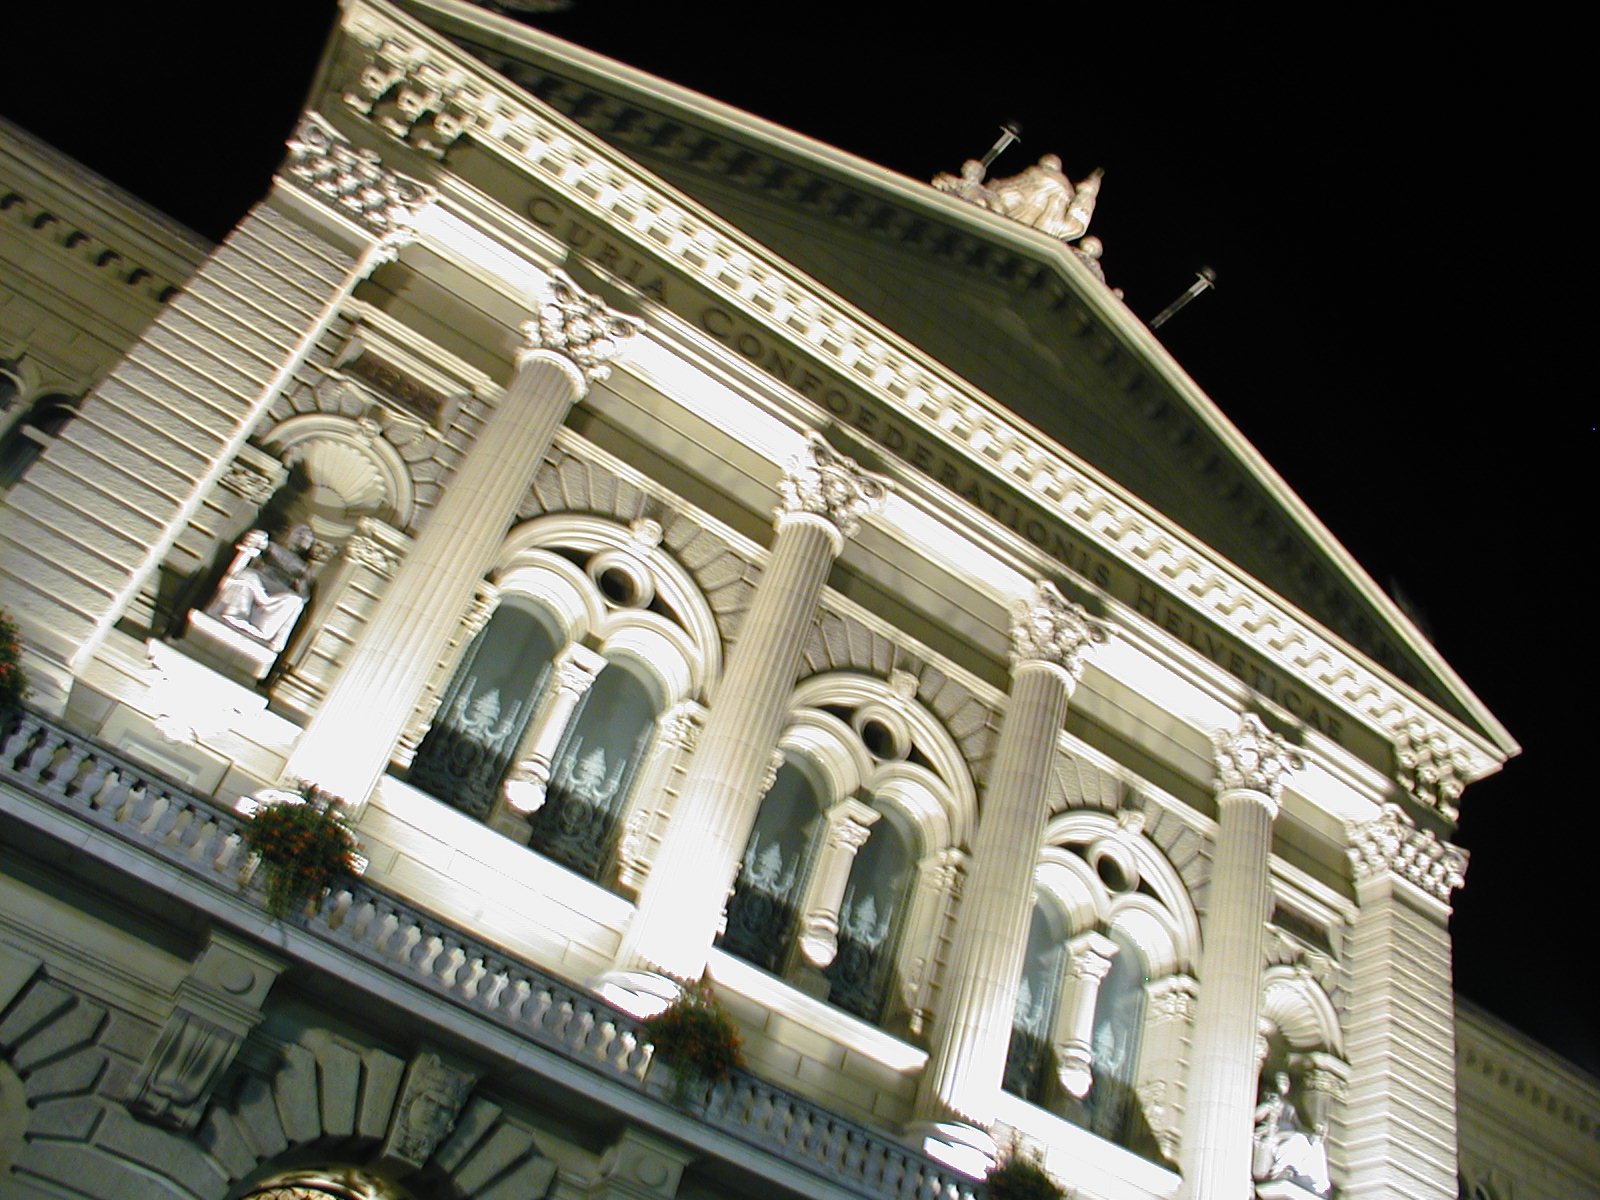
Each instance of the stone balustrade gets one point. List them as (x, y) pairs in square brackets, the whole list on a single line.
[(135, 806)]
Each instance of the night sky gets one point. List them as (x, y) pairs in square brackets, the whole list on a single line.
[(1386, 207)]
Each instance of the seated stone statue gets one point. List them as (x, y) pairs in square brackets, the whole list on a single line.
[(1282, 1149), (1042, 196), (266, 586)]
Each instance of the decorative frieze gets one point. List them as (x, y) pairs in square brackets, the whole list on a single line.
[(822, 482), (1252, 758), (580, 326), (1048, 628), (1393, 843), (352, 182)]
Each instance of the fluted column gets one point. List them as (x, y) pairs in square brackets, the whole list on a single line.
[(1251, 764), (1088, 963), (972, 1028), (348, 743), (823, 496), (849, 825)]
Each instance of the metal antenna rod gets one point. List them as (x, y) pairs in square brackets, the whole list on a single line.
[(1010, 132), (1205, 279)]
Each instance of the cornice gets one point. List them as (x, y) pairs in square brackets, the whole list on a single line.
[(744, 276), (73, 246)]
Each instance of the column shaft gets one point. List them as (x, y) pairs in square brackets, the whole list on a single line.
[(681, 902), (973, 1028), (1222, 1073)]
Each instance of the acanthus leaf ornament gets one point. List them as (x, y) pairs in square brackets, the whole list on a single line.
[(1432, 770), (1253, 758), (352, 182), (579, 326), (825, 483), (1393, 843), (1046, 627)]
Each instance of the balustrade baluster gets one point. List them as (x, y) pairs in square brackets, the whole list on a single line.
[(188, 831), (19, 731)]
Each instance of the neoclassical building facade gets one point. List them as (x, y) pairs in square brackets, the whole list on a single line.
[(687, 551)]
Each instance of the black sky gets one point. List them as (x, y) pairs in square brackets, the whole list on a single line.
[(1386, 202)]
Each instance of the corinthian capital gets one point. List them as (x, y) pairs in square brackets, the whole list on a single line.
[(1047, 627), (825, 483), (1393, 843), (580, 327), (1252, 758), (354, 183)]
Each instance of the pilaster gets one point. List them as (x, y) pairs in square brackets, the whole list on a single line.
[(1397, 1134), (1088, 963), (849, 824)]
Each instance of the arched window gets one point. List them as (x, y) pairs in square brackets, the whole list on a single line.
[(595, 765), (28, 437), (1028, 1060), (844, 886), (486, 709), (871, 917), (764, 909)]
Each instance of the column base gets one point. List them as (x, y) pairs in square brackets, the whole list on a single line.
[(957, 1145), (1283, 1189), (640, 994)]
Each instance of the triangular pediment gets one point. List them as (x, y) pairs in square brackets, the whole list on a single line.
[(1004, 307)]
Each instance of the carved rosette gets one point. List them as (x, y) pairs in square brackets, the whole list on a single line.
[(1048, 628), (822, 482), (1393, 843), (1252, 758), (577, 325), (354, 183), (1433, 771)]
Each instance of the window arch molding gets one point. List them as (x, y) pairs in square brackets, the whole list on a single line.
[(947, 811), (637, 544), (1166, 928)]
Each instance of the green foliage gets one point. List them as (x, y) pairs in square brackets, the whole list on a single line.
[(1018, 1176), (302, 846), (13, 679), (694, 1036)]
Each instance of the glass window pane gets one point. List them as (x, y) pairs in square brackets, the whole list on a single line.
[(772, 877), (485, 710), (869, 921), (600, 753), (1038, 996)]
